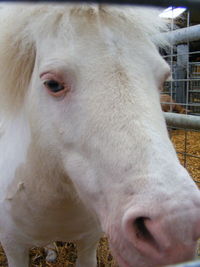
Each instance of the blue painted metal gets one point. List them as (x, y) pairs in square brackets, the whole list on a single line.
[(189, 264)]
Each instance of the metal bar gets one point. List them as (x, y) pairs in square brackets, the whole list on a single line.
[(182, 121), (189, 264), (198, 182), (182, 104), (175, 55), (162, 3), (179, 128), (188, 155), (184, 80), (183, 35)]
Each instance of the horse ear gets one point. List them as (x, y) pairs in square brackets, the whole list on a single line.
[(17, 57)]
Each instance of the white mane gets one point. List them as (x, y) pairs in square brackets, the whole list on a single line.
[(22, 24)]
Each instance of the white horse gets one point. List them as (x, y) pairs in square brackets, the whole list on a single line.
[(84, 148)]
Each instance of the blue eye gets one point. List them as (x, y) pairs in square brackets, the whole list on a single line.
[(54, 86)]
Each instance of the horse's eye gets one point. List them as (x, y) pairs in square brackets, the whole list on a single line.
[(54, 86)]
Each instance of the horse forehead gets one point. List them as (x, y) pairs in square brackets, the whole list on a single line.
[(107, 42), (81, 35), (96, 42)]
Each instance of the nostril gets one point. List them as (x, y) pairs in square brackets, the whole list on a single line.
[(142, 232), (140, 228), (153, 234), (146, 233)]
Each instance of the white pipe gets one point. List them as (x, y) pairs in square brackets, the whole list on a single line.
[(183, 35), (182, 121)]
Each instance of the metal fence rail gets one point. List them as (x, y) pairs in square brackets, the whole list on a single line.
[(189, 264), (184, 35), (192, 4), (182, 121)]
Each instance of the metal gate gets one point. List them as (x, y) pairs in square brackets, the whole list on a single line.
[(183, 88)]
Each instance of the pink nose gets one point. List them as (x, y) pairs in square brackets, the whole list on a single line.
[(164, 237)]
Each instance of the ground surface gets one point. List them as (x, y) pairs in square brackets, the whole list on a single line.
[(186, 143)]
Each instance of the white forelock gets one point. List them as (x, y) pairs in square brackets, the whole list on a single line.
[(21, 25)]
